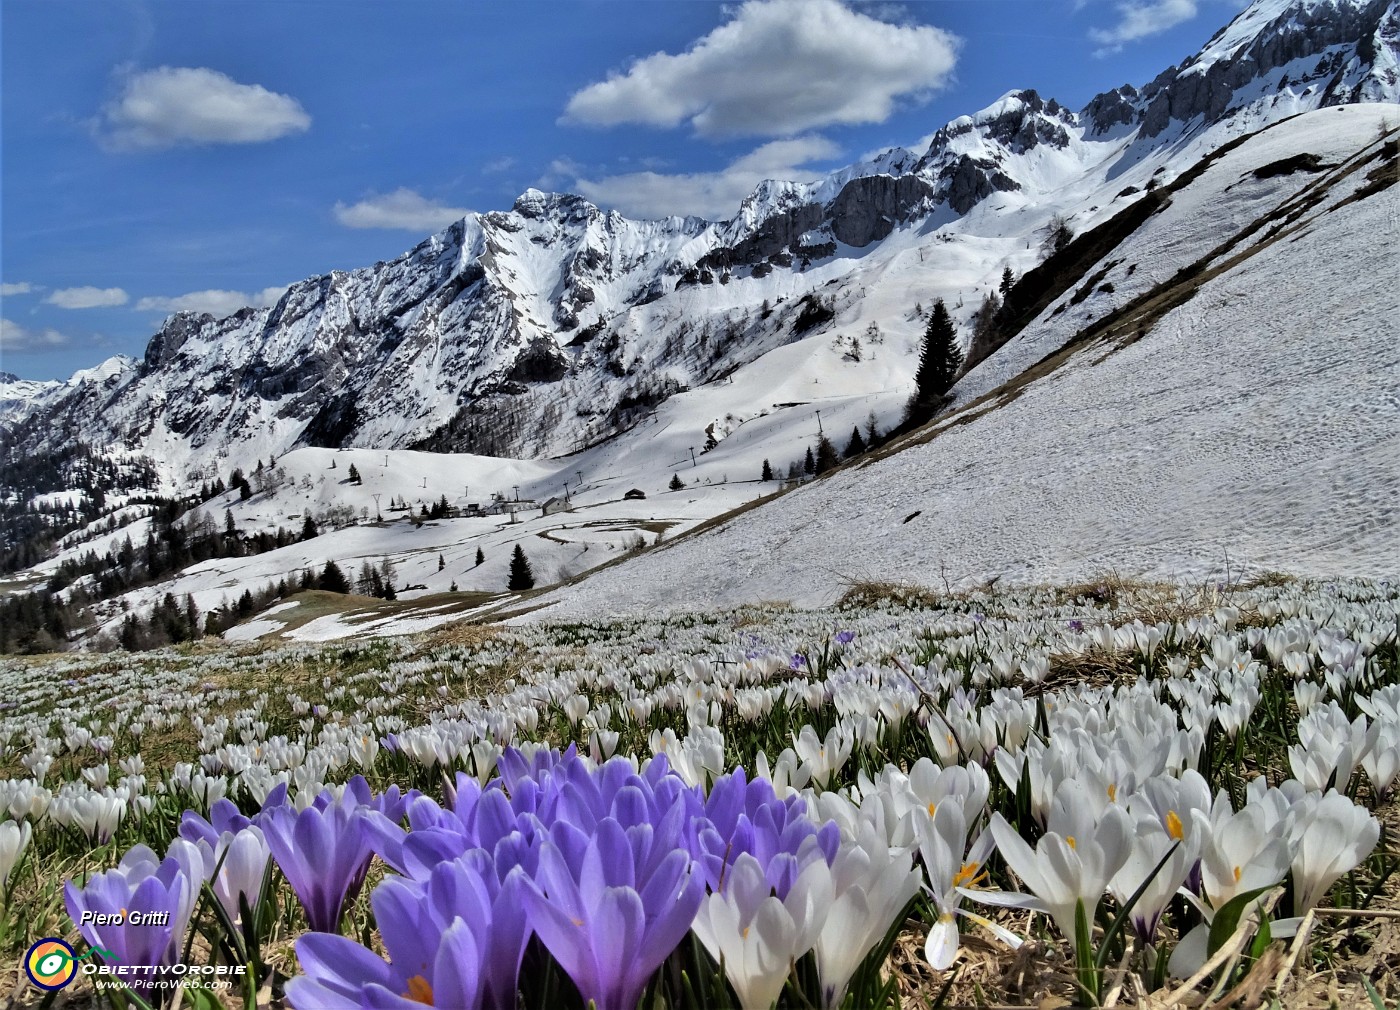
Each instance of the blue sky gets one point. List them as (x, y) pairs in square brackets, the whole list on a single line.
[(166, 155)]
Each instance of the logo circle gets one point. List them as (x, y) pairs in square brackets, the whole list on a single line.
[(50, 963)]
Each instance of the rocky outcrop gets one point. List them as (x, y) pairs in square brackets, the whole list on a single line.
[(1243, 52), (971, 180), (866, 210)]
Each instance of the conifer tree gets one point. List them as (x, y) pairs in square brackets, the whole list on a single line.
[(354, 474), (308, 527), (441, 563), (809, 464), (1008, 279), (940, 358), (333, 579), (676, 483), (767, 471), (480, 556), (826, 455), (856, 445), (521, 576)]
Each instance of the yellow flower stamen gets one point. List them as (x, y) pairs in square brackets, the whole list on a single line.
[(419, 991), (1070, 840), (1112, 791), (1237, 874), (1174, 826), (968, 875), (932, 809), (578, 923)]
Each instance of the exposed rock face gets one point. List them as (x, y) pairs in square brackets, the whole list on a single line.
[(866, 210), (971, 180), (1029, 122), (1112, 108), (1344, 51)]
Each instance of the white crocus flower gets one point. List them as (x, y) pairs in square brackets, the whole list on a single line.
[(755, 935), (944, 835), (1150, 844), (1241, 852), (14, 837), (1382, 761), (823, 758), (872, 884), (1331, 835), (1062, 871)]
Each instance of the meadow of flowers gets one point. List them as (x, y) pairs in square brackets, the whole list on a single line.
[(1164, 793)]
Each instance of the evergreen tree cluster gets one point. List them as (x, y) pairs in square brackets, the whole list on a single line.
[(376, 580), (824, 456)]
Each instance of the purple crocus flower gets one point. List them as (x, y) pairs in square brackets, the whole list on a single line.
[(391, 803), (223, 817), (797, 662), (454, 940), (323, 853), (611, 904), (742, 816), (140, 883), (234, 852), (845, 637), (436, 834)]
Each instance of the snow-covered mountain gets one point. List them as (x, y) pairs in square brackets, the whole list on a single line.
[(556, 325), (1216, 399)]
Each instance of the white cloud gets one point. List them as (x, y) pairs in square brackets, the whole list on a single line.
[(87, 298), (195, 105), (215, 302), (20, 288), (1138, 20), (502, 164), (777, 67), (402, 209), (15, 339), (714, 195)]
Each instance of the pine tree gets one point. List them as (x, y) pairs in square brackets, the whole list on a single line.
[(940, 358), (354, 474), (480, 556), (767, 471), (872, 430), (809, 464), (1008, 280), (856, 445), (333, 579), (521, 576), (441, 563), (676, 483), (826, 454)]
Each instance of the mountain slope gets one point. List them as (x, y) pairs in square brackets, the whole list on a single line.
[(1242, 414), (555, 325)]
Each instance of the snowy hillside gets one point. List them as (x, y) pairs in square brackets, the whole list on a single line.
[(1241, 413)]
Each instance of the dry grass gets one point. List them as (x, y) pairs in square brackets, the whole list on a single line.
[(874, 593)]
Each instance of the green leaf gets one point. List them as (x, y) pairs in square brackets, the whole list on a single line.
[(1262, 939), (1227, 917), (1084, 954), (1374, 996)]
